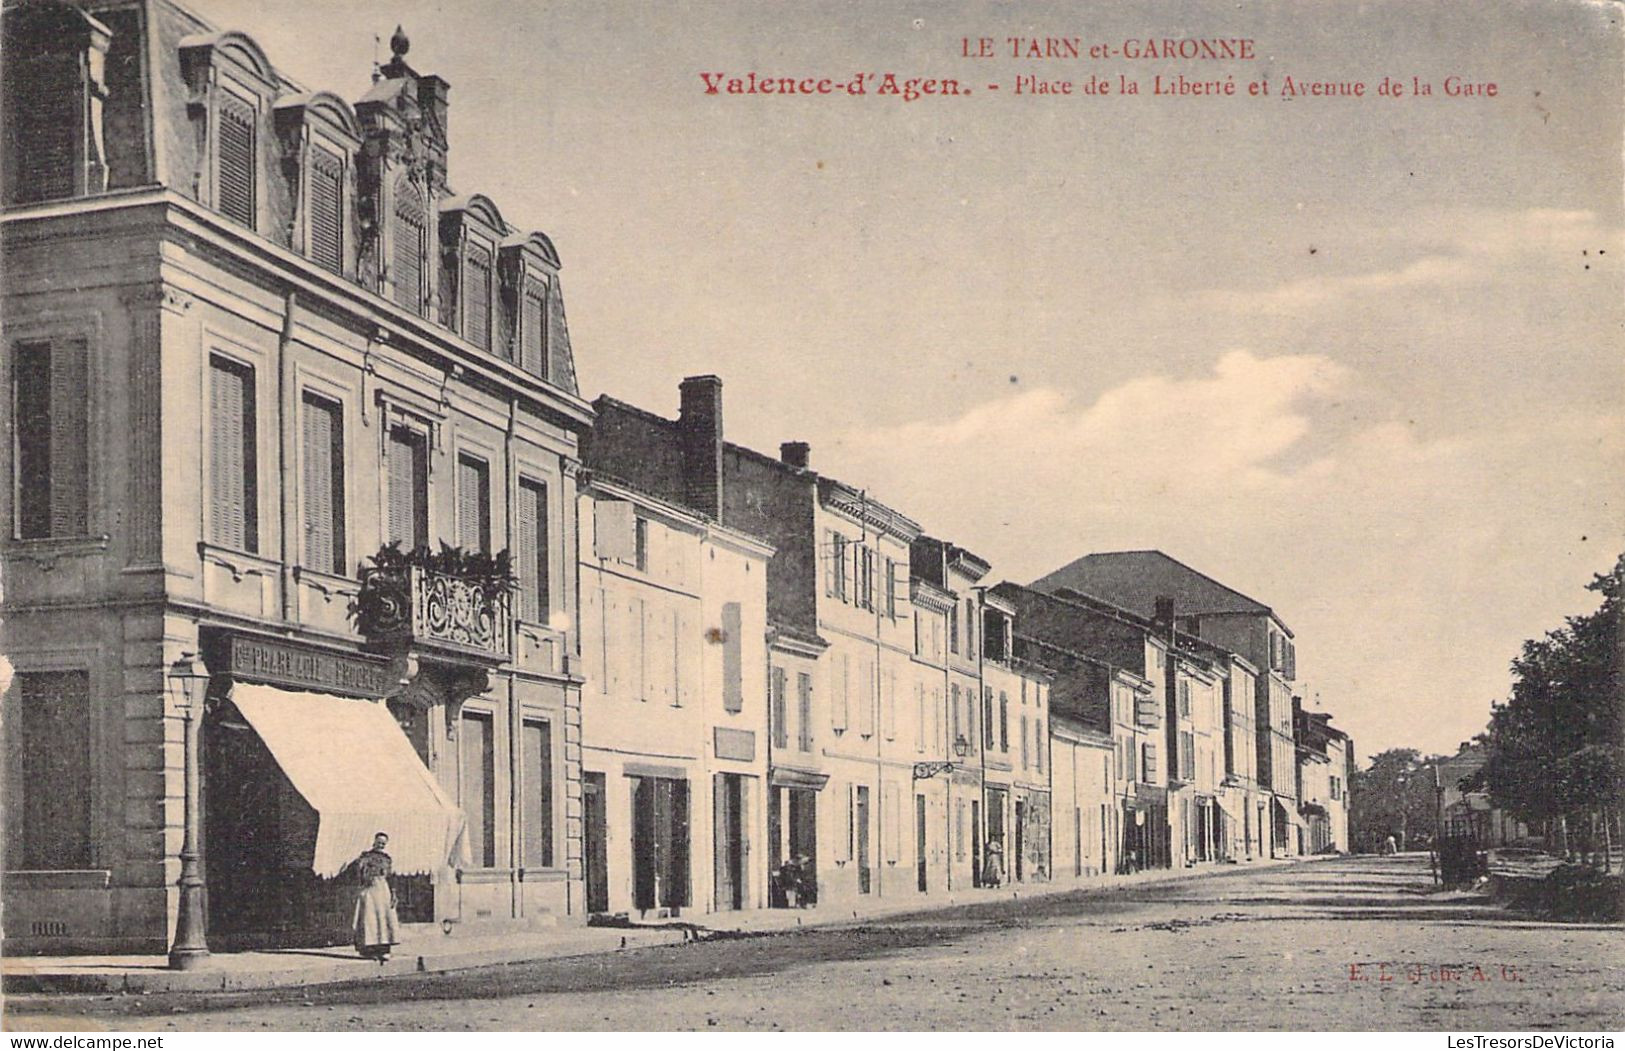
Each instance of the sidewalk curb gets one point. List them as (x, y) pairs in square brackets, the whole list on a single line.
[(43, 980)]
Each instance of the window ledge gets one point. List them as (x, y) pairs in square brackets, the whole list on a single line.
[(486, 875), (46, 550), (240, 563), (328, 584), (59, 879), (543, 875)]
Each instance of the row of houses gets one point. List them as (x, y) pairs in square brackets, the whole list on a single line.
[(313, 535)]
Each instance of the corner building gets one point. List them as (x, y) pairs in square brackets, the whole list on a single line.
[(258, 352)]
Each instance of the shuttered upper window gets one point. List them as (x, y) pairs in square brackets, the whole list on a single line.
[(235, 162), (473, 504), (533, 329), (326, 202), (44, 98), (477, 297), (49, 390), (324, 485), (408, 468), (407, 264), (233, 467), (532, 551)]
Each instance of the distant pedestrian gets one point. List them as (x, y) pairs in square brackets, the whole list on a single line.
[(377, 928), (1391, 846), (993, 865)]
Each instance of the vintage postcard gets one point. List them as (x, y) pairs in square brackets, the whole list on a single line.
[(722, 516)]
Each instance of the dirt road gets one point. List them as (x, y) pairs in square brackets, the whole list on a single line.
[(1358, 943)]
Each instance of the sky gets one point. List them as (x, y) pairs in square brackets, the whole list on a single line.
[(1359, 358)]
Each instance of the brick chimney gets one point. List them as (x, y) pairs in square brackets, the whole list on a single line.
[(795, 454), (699, 427)]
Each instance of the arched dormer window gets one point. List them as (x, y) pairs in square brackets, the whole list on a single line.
[(408, 247), (529, 278), (320, 139), (232, 85), (470, 230)]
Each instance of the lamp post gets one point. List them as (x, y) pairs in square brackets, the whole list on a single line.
[(189, 684), (1403, 807), (1438, 821)]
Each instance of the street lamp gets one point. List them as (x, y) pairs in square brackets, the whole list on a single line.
[(189, 686)]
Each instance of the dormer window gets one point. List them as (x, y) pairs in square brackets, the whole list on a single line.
[(529, 270), (406, 266), (533, 328), (235, 160), (477, 296), (232, 86), (326, 205), (51, 102), (470, 230)]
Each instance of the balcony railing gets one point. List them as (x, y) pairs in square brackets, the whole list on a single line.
[(422, 606)]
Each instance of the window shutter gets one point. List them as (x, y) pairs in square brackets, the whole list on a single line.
[(232, 482), (477, 301), (473, 505), (324, 486), (733, 696), (45, 122), (919, 717), (532, 551), (235, 145), (408, 488), (55, 774), (31, 401), (841, 687), (326, 203), (781, 714), (408, 253), (69, 456), (532, 329), (615, 530), (804, 710)]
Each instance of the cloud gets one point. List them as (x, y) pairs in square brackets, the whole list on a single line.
[(1411, 566), (1440, 253)]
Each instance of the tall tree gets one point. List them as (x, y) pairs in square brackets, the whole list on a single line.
[(1393, 797), (1557, 747)]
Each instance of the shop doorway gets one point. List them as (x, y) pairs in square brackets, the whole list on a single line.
[(919, 842), (660, 842)]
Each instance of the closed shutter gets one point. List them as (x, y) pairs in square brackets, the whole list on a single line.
[(55, 772), (408, 489), (236, 167), (919, 717), (327, 209), (31, 399), (532, 330), (233, 511), (840, 670), (538, 798), (532, 550), (324, 485), (804, 711), (733, 694), (45, 99), (473, 504), (70, 469), (478, 298), (781, 727), (407, 265)]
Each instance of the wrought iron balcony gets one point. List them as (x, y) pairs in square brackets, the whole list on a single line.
[(430, 608)]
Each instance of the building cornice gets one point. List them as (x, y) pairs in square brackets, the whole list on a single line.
[(366, 307)]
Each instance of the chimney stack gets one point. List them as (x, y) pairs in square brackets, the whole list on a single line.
[(1165, 613), (699, 427), (795, 454)]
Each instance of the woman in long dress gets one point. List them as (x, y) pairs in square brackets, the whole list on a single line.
[(377, 928)]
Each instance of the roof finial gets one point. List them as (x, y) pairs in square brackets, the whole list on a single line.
[(399, 45)]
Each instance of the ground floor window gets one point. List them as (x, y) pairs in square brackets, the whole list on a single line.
[(47, 802)]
